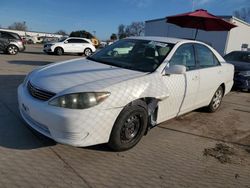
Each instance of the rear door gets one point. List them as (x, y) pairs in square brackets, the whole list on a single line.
[(80, 45), (211, 74)]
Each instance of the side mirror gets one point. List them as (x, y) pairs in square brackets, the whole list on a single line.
[(66, 42), (175, 69)]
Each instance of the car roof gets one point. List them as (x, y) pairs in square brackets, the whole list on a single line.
[(9, 32), (77, 38), (238, 51), (164, 39)]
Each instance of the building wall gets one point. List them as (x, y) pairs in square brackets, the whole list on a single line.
[(238, 35), (217, 39)]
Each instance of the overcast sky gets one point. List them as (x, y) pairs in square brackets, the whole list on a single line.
[(102, 16)]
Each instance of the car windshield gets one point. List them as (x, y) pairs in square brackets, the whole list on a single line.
[(62, 39), (238, 56), (134, 54)]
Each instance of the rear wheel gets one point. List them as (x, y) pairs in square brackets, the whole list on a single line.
[(59, 51), (129, 128), (12, 50), (216, 100), (87, 52)]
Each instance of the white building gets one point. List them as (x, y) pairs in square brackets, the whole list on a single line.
[(224, 42)]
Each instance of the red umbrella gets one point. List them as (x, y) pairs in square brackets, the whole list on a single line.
[(200, 19)]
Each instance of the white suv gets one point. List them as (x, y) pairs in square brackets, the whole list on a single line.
[(70, 45)]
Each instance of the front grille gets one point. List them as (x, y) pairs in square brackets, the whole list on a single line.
[(39, 93)]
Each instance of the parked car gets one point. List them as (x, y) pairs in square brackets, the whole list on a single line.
[(70, 45), (11, 43), (116, 99), (241, 62)]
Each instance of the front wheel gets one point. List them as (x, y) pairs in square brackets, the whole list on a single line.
[(12, 50), (129, 128), (216, 100), (59, 51), (87, 52)]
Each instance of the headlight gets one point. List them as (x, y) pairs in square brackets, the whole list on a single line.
[(244, 73), (79, 100), (49, 45)]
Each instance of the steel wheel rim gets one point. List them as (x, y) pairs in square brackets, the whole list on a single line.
[(131, 128), (217, 99)]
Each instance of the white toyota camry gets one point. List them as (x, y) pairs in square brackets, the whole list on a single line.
[(115, 98)]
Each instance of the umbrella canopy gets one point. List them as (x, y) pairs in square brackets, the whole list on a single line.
[(200, 19)]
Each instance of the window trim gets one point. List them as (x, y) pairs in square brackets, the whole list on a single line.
[(194, 51), (214, 56)]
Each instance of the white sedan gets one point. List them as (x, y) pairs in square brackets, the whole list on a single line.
[(116, 99)]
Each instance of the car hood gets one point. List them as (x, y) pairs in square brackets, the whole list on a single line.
[(240, 66), (80, 73)]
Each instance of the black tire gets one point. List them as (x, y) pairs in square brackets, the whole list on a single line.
[(87, 52), (59, 51), (12, 50), (129, 128), (216, 100)]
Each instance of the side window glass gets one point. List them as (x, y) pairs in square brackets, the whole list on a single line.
[(71, 41), (83, 41), (184, 55), (205, 57)]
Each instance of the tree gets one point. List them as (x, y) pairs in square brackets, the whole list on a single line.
[(243, 14), (81, 33), (113, 36), (19, 26), (61, 32), (121, 31), (134, 29)]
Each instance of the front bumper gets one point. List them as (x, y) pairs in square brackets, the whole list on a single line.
[(47, 49), (242, 82), (22, 48), (73, 127)]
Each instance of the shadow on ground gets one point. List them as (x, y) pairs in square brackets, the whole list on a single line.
[(25, 62), (27, 52), (14, 132)]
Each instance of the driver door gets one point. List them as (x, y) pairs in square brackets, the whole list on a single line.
[(182, 88)]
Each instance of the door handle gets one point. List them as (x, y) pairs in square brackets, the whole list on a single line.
[(195, 78)]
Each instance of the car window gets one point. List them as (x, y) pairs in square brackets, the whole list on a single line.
[(6, 35), (205, 57), (134, 54), (72, 41), (77, 41), (81, 41), (184, 55), (238, 56)]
